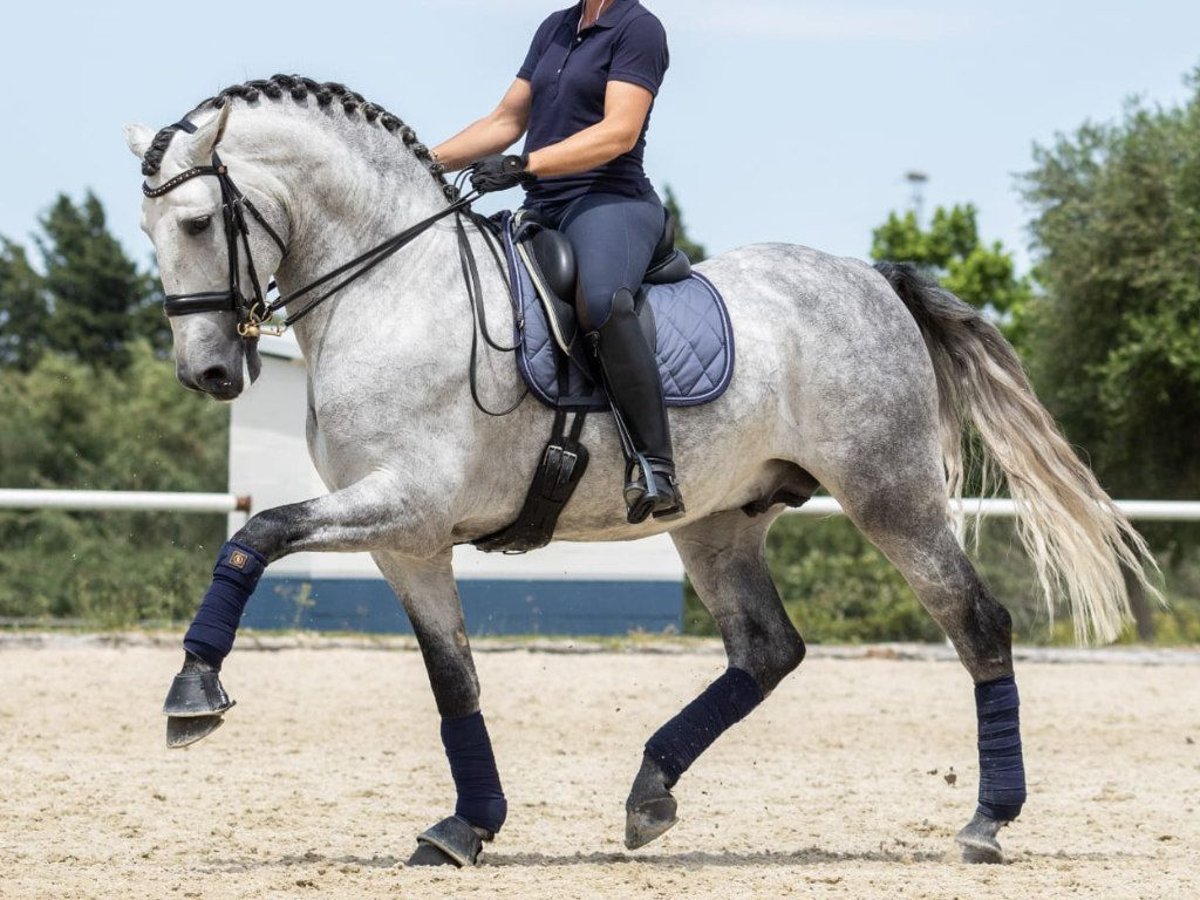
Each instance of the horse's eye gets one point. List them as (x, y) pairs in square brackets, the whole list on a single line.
[(198, 224)]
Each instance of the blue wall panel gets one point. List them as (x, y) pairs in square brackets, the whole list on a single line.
[(491, 607)]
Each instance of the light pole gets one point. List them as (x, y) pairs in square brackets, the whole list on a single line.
[(917, 181)]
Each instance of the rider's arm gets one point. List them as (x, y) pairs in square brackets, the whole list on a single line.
[(626, 106), (495, 132)]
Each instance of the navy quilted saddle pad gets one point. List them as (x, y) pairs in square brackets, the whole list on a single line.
[(694, 343)]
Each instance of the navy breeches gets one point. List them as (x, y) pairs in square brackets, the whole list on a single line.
[(614, 238)]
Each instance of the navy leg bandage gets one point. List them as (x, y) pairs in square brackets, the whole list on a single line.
[(235, 577), (723, 704), (1001, 766), (473, 765)]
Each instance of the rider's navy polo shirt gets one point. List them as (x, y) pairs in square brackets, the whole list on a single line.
[(569, 73)]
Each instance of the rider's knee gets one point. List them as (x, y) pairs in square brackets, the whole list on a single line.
[(596, 304)]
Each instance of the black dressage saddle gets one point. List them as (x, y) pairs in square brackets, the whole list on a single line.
[(550, 260)]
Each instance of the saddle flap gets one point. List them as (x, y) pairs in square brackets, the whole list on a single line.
[(560, 315), (555, 258)]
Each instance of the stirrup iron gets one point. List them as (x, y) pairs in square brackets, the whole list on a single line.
[(651, 489)]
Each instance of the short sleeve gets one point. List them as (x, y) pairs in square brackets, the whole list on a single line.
[(538, 45), (640, 54)]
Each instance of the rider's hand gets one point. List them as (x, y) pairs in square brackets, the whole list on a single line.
[(499, 172)]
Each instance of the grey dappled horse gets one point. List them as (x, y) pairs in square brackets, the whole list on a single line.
[(854, 378)]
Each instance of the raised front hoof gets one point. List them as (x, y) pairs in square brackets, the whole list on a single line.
[(450, 842), (196, 691), (185, 730), (649, 820), (978, 840), (195, 703)]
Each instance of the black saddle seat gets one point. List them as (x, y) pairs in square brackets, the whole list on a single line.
[(555, 258)]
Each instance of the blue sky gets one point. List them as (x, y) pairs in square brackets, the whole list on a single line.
[(779, 120)]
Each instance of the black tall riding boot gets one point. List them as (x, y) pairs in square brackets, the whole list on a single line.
[(631, 373)]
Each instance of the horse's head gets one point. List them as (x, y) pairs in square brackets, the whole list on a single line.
[(213, 257)]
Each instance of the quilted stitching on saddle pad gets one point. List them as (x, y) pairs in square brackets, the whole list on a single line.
[(694, 342)]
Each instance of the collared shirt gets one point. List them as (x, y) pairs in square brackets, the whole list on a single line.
[(569, 71)]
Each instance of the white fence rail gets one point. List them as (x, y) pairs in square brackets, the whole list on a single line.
[(140, 501), (162, 501), (1145, 510)]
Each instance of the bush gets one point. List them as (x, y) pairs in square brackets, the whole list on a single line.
[(71, 426), (837, 588)]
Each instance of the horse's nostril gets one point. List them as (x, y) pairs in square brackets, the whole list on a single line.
[(215, 375)]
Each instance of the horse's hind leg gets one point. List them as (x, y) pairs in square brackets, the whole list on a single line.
[(908, 523), (725, 556)]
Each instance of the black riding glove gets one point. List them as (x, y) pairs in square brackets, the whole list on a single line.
[(499, 172)]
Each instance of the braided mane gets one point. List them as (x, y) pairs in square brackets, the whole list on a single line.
[(300, 88)]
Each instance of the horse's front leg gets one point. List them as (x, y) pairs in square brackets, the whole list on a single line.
[(363, 516), (426, 588)]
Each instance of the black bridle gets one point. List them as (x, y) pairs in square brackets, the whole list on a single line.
[(253, 313)]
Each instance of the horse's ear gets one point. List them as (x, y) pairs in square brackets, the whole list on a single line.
[(207, 136), (139, 138)]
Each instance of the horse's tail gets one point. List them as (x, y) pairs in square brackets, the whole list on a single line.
[(1077, 538)]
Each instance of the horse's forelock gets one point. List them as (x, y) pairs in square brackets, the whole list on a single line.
[(300, 88)]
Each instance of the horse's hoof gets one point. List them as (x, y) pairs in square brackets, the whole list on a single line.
[(185, 730), (429, 855), (649, 820), (196, 691), (650, 809), (451, 841), (978, 840), (195, 703)]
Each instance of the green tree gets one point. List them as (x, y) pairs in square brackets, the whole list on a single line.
[(1117, 348), (86, 300), (96, 292), (950, 249), (694, 251), (24, 312)]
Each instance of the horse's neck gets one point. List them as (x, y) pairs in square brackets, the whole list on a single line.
[(346, 193)]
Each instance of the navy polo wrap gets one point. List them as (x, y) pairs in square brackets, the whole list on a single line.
[(569, 73)]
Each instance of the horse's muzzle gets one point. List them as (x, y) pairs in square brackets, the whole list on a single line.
[(220, 382)]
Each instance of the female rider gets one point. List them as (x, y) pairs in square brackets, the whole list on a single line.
[(583, 101)]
